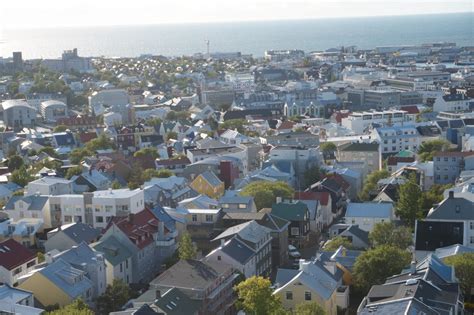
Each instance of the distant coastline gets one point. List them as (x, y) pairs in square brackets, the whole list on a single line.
[(249, 37)]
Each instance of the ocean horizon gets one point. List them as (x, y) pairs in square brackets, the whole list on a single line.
[(249, 37)]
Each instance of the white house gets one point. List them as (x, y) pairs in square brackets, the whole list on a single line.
[(15, 261), (397, 138), (49, 186), (33, 207), (18, 114), (52, 110), (359, 121), (452, 103), (367, 214)]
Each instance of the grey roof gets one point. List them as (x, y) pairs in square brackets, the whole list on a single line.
[(369, 210), (78, 255), (234, 197), (35, 202), (249, 231), (237, 250), (71, 280), (80, 232), (285, 275), (191, 274), (456, 208), (406, 306), (356, 231), (175, 302), (211, 178), (114, 251), (16, 103), (453, 250), (361, 147)]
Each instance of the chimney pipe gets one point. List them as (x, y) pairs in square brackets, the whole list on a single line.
[(451, 194), (413, 267), (130, 218)]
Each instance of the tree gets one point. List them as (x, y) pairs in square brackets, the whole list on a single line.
[(115, 185), (313, 175), (387, 233), (370, 183), (49, 151), (78, 154), (77, 307), (73, 171), (21, 177), (100, 143), (265, 193), (375, 265), (464, 268), (408, 207), (186, 248), (171, 135), (114, 297), (15, 162), (327, 148), (60, 128), (428, 148), (41, 258), (309, 308), (171, 115), (234, 124), (255, 296), (433, 196), (336, 242), (145, 152)]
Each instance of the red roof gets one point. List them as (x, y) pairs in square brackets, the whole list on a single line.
[(286, 125), (322, 197), (13, 254), (340, 180), (87, 136), (139, 227), (411, 109)]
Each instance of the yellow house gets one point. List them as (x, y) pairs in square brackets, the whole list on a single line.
[(311, 283), (59, 283), (208, 184)]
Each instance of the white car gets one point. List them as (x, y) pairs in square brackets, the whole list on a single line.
[(293, 252)]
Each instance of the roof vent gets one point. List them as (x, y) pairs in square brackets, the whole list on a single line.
[(411, 282)]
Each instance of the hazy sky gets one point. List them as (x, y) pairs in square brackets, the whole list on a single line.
[(49, 13)]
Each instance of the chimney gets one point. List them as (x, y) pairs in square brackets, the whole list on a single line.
[(130, 218), (222, 242), (451, 194), (158, 294), (413, 267), (278, 200), (161, 228)]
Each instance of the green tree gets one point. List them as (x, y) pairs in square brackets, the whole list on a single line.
[(327, 148), (114, 298), (77, 155), (234, 124), (375, 265), (255, 296), (171, 115), (370, 183), (115, 185), (145, 152), (313, 175), (15, 162), (171, 135), (387, 233), (60, 128), (102, 142), (309, 308), (150, 173), (464, 268), (73, 171), (408, 207), (336, 242), (186, 248), (433, 196), (49, 151), (41, 258), (77, 307), (265, 193), (21, 176), (428, 148)]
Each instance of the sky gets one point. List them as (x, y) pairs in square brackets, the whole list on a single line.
[(79, 13)]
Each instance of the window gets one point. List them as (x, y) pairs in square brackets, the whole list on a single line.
[(121, 267), (194, 217), (30, 264), (108, 208), (471, 225), (219, 257), (209, 217), (97, 208), (289, 295), (17, 271), (99, 219), (472, 239), (225, 205), (242, 206), (295, 231), (307, 296)]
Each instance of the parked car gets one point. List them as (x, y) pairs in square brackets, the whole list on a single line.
[(293, 252)]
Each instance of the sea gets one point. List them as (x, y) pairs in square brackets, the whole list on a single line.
[(246, 37)]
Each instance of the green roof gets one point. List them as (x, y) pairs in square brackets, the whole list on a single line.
[(290, 211), (405, 153), (114, 251), (361, 147)]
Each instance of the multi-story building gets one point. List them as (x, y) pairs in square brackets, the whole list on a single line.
[(49, 186), (51, 111), (247, 247), (368, 99), (397, 138), (448, 165), (360, 121), (297, 213), (15, 261), (453, 103), (368, 153), (30, 207), (96, 208), (18, 114)]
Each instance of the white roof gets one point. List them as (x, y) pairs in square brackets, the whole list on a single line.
[(16, 103)]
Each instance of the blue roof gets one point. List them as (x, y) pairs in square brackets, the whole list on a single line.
[(369, 210), (64, 139), (78, 255), (164, 217), (211, 178), (69, 279)]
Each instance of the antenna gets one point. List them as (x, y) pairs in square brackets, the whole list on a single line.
[(208, 43)]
